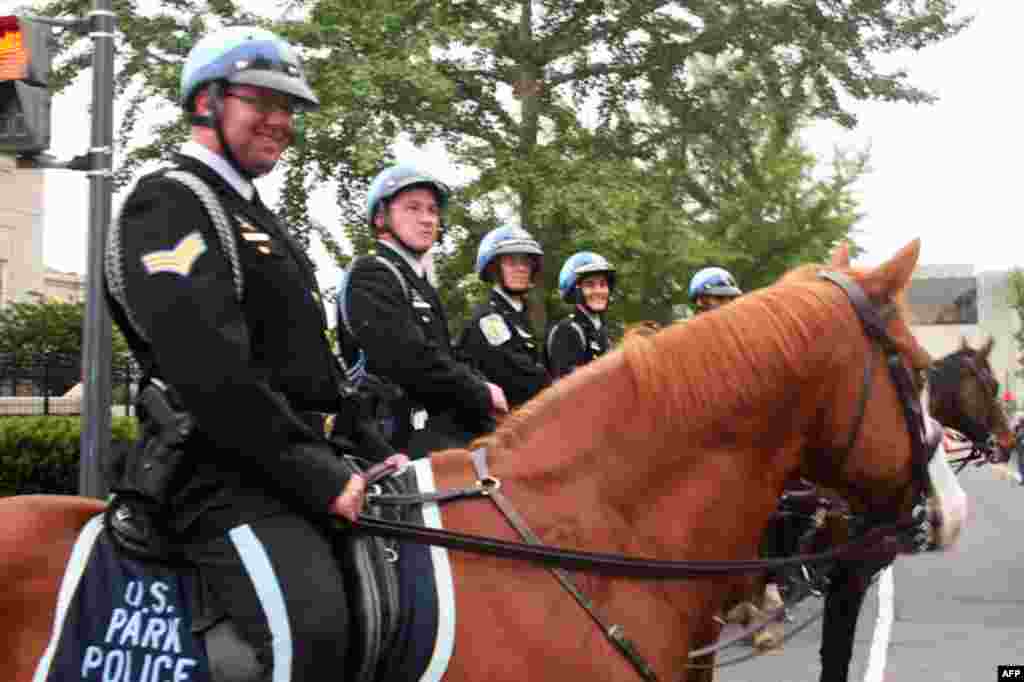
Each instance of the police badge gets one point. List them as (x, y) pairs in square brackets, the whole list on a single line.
[(495, 330)]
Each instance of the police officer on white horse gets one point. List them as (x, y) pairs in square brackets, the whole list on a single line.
[(499, 340)]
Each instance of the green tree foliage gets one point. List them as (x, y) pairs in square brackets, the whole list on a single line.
[(660, 132), (1016, 282), (41, 454), (29, 329)]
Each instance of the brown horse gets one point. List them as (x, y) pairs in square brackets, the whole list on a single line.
[(963, 395), (675, 447)]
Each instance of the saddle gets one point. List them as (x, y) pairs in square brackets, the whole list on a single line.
[(369, 564), (371, 569)]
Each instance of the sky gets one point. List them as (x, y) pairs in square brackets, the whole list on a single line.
[(941, 172)]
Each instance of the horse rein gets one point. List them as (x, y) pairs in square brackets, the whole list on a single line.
[(877, 539)]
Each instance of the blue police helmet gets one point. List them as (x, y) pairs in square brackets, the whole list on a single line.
[(713, 282), (394, 179), (507, 240), (245, 55), (580, 265)]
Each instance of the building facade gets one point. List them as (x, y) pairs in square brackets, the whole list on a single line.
[(21, 241), (68, 287), (21, 232), (953, 302)]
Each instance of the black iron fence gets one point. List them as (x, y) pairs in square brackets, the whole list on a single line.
[(50, 384)]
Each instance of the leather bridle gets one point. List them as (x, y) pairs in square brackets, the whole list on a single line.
[(874, 320)]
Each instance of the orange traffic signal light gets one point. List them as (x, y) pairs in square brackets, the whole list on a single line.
[(24, 99), (24, 50)]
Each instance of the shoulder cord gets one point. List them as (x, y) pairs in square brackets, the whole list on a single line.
[(114, 257), (575, 325), (357, 372)]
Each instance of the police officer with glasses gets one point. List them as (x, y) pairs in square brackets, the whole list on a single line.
[(222, 311)]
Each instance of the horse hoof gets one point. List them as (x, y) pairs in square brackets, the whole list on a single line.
[(770, 638)]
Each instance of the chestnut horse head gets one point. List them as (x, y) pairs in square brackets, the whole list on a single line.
[(963, 394)]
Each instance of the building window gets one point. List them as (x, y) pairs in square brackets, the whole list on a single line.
[(943, 300)]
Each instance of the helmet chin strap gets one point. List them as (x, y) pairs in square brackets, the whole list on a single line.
[(385, 206), (215, 120), (416, 252), (581, 301), (504, 287)]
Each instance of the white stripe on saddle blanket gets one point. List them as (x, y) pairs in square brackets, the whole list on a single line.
[(947, 502), (445, 642)]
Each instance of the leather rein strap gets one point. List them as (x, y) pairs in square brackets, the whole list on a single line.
[(615, 634)]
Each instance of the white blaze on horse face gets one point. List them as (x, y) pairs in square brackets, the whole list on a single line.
[(947, 502)]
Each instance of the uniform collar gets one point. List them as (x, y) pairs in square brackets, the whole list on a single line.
[(406, 255), (595, 319), (220, 165), (515, 303)]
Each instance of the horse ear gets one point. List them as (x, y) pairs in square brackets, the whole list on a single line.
[(894, 274), (840, 256)]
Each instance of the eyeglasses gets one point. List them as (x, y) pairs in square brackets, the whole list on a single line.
[(268, 104)]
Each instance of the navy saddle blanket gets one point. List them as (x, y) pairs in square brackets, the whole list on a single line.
[(119, 619)]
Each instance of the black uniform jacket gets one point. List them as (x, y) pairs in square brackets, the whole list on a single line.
[(408, 343), (573, 342), (242, 370), (499, 342)]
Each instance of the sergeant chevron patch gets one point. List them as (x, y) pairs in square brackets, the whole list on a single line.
[(178, 260)]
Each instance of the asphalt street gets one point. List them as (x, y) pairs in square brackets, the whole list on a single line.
[(957, 614)]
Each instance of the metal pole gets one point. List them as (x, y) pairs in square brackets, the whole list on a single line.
[(96, 353)]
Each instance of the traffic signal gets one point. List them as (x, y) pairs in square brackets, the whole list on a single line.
[(24, 98)]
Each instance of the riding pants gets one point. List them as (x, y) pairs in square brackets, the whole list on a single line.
[(278, 581)]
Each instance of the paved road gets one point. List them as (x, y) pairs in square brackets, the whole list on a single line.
[(958, 614)]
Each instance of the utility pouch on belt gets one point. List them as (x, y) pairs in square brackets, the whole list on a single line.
[(155, 469)]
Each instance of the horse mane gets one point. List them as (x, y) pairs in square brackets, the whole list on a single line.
[(736, 354), (728, 357)]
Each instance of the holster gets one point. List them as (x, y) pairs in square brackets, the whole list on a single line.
[(358, 421), (157, 467)]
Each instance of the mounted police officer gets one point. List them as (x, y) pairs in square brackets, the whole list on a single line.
[(712, 287), (586, 281), (390, 317), (499, 340), (222, 311)]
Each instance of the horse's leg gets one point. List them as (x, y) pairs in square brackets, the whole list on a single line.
[(704, 635), (774, 544), (740, 607)]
